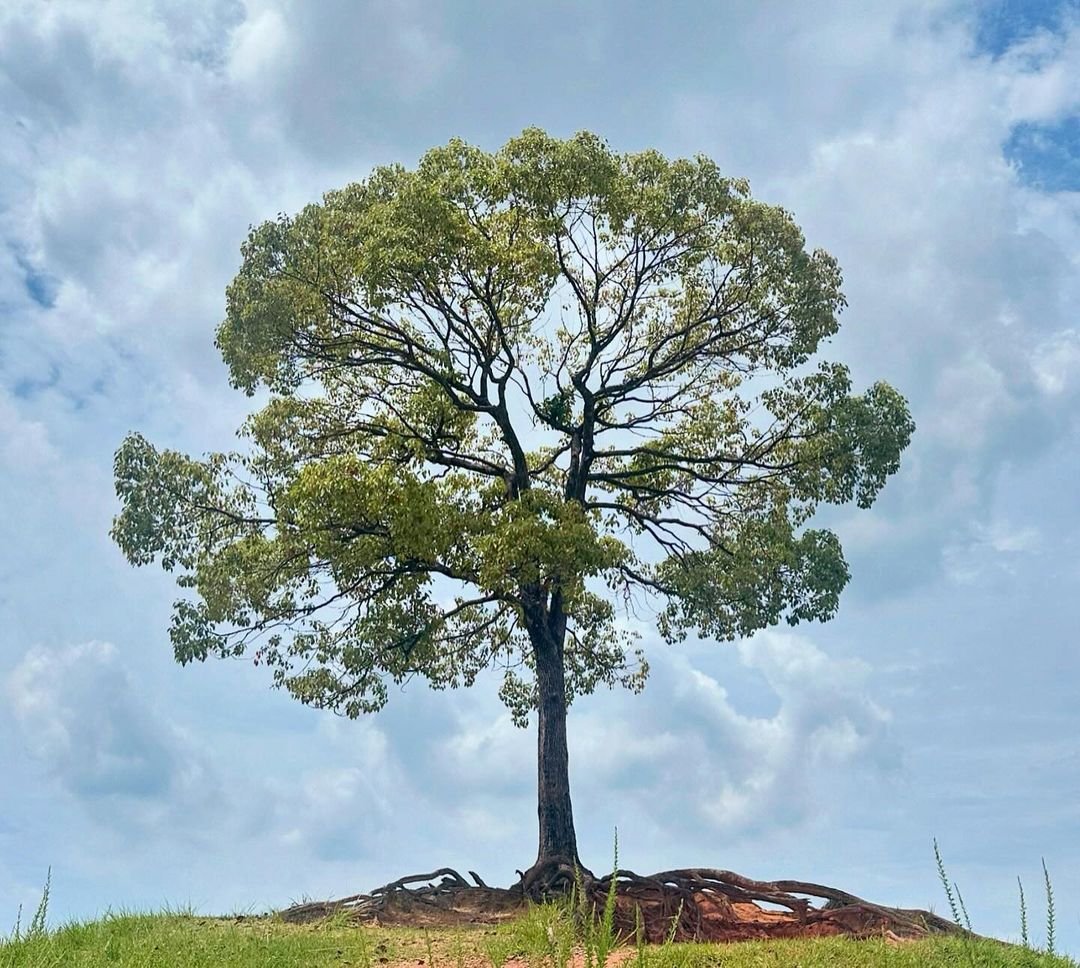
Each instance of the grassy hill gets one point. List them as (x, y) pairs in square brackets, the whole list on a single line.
[(544, 938)]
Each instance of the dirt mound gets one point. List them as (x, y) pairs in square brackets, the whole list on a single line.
[(697, 904)]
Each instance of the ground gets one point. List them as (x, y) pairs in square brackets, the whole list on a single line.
[(699, 904)]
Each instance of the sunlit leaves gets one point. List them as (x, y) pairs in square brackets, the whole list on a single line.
[(510, 392), (760, 573), (540, 539)]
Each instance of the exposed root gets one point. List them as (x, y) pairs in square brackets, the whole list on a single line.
[(688, 904), (552, 877), (717, 905), (442, 891)]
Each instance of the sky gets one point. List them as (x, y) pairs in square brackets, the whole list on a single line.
[(932, 146)]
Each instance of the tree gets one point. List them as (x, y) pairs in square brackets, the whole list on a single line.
[(507, 393)]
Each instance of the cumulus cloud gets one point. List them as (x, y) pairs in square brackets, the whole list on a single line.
[(487, 753), (144, 138), (963, 274), (258, 45), (337, 812), (332, 77), (761, 770), (1056, 361), (24, 442), (82, 717), (997, 549), (689, 745)]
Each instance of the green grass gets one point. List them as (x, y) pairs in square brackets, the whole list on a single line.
[(544, 938)]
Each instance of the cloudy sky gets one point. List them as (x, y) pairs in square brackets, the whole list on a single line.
[(932, 146)]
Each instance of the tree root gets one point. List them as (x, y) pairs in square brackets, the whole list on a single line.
[(439, 890), (711, 905), (698, 903)]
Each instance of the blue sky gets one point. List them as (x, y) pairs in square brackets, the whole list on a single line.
[(932, 147)]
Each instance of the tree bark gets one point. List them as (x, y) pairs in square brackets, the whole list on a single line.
[(557, 837)]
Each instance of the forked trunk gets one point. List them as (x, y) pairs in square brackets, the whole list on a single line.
[(557, 837)]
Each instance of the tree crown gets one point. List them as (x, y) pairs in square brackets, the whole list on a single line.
[(507, 391)]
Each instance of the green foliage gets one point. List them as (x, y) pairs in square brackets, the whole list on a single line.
[(506, 391)]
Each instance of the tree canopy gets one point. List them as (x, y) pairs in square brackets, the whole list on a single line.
[(509, 395)]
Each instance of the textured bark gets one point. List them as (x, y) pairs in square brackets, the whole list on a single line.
[(556, 816)]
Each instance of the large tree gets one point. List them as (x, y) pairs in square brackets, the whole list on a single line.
[(507, 395)]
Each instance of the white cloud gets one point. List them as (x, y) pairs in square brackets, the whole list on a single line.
[(335, 812), (1007, 539), (259, 46), (959, 277), (147, 136), (1042, 69), (25, 446), (825, 719), (1056, 361), (991, 550), (972, 400), (82, 717), (487, 753), (688, 742)]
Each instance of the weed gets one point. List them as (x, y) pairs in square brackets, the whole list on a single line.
[(365, 954), (597, 934), (670, 939), (16, 929), (956, 909), (1023, 915), (1049, 909), (37, 928), (963, 906), (948, 888)]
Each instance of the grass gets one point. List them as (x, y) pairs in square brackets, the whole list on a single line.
[(546, 936)]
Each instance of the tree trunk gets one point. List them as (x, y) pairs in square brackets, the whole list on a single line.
[(557, 837)]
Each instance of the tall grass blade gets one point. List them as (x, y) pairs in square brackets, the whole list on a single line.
[(963, 906), (1049, 909), (459, 950), (1023, 915), (605, 936), (948, 888), (37, 923)]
